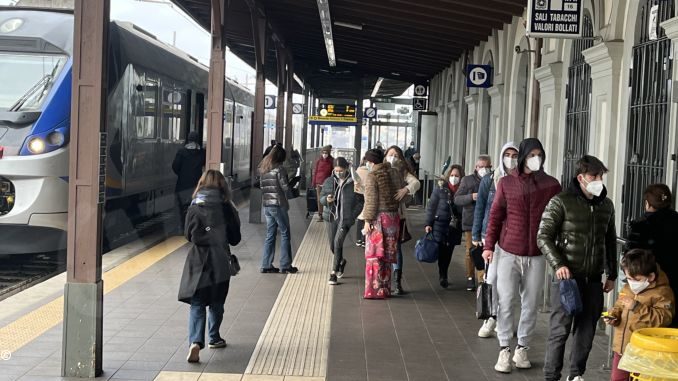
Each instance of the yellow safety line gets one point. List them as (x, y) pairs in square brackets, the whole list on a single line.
[(33, 324)]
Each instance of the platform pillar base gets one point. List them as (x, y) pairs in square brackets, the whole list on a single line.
[(82, 354)]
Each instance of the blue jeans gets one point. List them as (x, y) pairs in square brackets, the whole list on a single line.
[(196, 321), (276, 217), (399, 265)]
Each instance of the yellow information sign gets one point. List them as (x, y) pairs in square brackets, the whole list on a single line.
[(330, 119)]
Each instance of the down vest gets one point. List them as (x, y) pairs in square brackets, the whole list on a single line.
[(579, 233), (519, 202), (274, 188)]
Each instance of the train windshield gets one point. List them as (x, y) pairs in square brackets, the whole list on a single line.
[(26, 79)]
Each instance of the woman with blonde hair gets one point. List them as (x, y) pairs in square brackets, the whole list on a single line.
[(212, 224), (274, 190)]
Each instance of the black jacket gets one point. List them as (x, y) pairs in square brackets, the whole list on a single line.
[(657, 232), (440, 211), (187, 165), (211, 226), (579, 233), (346, 205), (275, 188), (464, 198)]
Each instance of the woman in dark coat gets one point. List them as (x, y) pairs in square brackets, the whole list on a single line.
[(212, 224), (443, 219), (657, 231)]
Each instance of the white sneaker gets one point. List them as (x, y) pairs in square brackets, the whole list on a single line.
[(193, 353), (487, 328), (578, 378), (503, 364), (520, 358)]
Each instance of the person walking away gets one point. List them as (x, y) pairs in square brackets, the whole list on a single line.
[(382, 225), (443, 219), (413, 162), (341, 210), (409, 152), (188, 165), (361, 174), (514, 220), (583, 217), (481, 214), (269, 148), (212, 226), (646, 301), (274, 189), (656, 231), (466, 198), (408, 185), (321, 171)]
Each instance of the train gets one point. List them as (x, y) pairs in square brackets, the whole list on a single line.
[(156, 95)]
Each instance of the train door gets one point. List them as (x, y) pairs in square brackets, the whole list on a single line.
[(649, 108)]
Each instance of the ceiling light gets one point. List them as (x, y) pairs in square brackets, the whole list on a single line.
[(376, 87), (348, 25), (299, 81), (396, 74), (324, 11), (344, 60)]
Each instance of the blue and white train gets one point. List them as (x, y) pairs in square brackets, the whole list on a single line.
[(156, 95)]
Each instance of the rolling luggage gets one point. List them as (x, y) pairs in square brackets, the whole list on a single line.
[(311, 202)]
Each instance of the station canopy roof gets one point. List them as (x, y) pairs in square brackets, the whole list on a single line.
[(402, 41)]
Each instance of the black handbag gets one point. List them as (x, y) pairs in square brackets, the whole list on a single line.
[(484, 300), (234, 264), (477, 257)]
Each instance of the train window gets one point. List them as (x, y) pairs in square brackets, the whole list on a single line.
[(173, 101), (146, 117)]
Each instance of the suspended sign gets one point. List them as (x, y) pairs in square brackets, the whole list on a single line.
[(269, 101), (555, 18), (298, 108), (419, 104), (334, 114), (419, 90), (479, 76)]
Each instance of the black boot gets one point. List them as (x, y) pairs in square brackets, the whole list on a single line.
[(398, 277)]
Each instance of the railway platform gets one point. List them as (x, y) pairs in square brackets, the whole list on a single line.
[(292, 327)]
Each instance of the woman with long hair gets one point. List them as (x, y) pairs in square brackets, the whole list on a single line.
[(382, 225), (407, 184), (443, 219), (212, 224), (274, 189)]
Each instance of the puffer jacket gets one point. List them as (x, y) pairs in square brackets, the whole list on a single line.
[(322, 170), (274, 188), (345, 206), (464, 198), (579, 233), (440, 210), (379, 192), (516, 212), (655, 307)]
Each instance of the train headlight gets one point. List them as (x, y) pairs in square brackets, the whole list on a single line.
[(56, 138), (36, 145), (11, 25)]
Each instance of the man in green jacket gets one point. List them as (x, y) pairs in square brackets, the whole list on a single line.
[(578, 237)]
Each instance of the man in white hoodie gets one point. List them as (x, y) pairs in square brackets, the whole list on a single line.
[(481, 214)]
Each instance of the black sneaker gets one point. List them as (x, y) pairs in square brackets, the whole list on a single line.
[(470, 284), (342, 266), (270, 270), (221, 343), (333, 280), (289, 270), (444, 283)]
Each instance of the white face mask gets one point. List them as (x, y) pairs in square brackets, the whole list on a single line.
[(391, 159), (325, 156), (369, 166), (534, 163), (595, 187), (510, 163), (638, 286), (454, 180)]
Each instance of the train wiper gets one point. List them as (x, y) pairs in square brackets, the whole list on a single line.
[(40, 85)]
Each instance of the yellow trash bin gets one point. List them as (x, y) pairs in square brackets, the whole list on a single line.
[(652, 355)]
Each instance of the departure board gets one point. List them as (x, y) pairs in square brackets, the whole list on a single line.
[(334, 113)]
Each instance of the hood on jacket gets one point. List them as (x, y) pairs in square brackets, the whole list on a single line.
[(209, 196), (575, 188), (502, 170), (526, 146)]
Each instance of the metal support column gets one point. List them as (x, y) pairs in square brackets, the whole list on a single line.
[(289, 128), (282, 84), (304, 138), (358, 135), (260, 42), (215, 111), (84, 291)]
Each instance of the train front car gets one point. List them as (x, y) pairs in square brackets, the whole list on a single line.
[(35, 73)]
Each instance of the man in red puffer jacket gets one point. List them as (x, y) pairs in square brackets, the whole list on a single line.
[(514, 220), (321, 171)]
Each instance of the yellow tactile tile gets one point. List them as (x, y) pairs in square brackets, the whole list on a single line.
[(177, 376), (220, 377), (257, 377), (30, 326)]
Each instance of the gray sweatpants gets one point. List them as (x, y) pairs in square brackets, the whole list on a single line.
[(491, 278), (524, 276)]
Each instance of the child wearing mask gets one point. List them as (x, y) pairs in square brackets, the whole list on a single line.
[(645, 301)]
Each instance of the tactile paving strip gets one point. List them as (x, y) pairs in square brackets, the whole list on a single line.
[(295, 340)]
